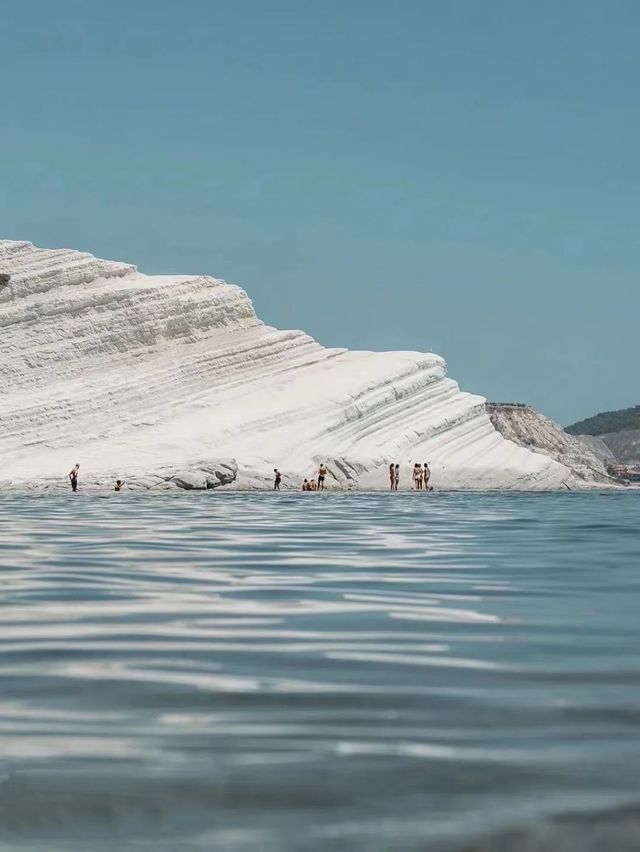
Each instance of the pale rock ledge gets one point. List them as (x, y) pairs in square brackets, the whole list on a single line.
[(142, 377)]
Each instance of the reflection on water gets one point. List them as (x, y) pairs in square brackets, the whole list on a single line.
[(328, 671)]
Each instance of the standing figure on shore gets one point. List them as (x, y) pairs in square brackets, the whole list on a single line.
[(322, 472), (416, 475), (73, 477), (392, 477), (397, 478), (277, 480), (427, 476), (118, 485)]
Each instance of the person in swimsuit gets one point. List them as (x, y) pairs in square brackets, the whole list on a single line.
[(322, 472), (312, 485), (392, 477), (277, 480), (73, 477), (305, 485), (395, 486), (415, 474), (427, 476), (118, 485)]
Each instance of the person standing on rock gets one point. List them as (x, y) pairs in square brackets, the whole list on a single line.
[(322, 472), (416, 475), (277, 480), (73, 477), (427, 476)]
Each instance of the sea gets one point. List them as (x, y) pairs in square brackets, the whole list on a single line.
[(266, 672)]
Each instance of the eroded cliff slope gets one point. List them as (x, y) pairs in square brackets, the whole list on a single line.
[(145, 376)]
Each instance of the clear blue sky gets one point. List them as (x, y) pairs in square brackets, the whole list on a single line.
[(457, 176)]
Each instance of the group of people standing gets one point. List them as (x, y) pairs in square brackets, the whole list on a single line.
[(313, 484), (420, 477)]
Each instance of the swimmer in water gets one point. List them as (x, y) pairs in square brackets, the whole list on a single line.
[(73, 477), (305, 485), (118, 485)]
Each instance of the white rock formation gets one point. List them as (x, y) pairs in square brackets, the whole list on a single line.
[(155, 377)]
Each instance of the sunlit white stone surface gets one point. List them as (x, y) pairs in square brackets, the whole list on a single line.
[(156, 377)]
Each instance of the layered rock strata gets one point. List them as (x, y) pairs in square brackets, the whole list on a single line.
[(527, 427), (153, 377)]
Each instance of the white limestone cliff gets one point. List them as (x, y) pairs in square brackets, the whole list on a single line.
[(154, 378)]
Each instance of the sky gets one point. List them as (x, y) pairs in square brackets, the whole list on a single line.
[(461, 177)]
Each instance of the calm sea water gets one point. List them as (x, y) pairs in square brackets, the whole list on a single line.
[(320, 672)]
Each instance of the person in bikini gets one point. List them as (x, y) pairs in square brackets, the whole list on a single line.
[(73, 477), (322, 472)]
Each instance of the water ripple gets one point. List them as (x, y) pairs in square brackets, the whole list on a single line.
[(388, 671)]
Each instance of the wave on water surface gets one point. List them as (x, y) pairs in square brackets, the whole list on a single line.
[(330, 671)]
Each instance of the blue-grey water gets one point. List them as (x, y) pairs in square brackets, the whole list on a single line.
[(394, 672)]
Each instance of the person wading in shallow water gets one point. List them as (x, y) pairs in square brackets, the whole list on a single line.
[(277, 480), (305, 485), (322, 472), (392, 477), (118, 485), (73, 477), (395, 486)]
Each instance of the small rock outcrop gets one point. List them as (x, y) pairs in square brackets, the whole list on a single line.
[(206, 475), (527, 427)]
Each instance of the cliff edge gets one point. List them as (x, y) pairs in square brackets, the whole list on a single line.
[(149, 377)]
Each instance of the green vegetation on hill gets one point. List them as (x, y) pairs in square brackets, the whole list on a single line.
[(607, 421)]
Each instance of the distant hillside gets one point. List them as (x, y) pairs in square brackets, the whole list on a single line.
[(607, 422)]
